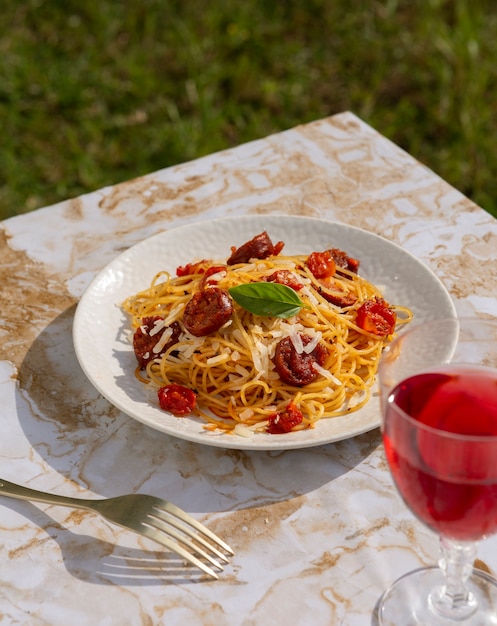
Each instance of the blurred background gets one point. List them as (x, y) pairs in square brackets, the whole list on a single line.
[(95, 92)]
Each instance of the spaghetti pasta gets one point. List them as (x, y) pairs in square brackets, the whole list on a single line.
[(239, 371)]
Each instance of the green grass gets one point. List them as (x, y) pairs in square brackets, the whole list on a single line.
[(96, 92)]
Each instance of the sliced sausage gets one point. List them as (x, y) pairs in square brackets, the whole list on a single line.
[(147, 337), (284, 277), (207, 311), (296, 368), (333, 292), (259, 247), (343, 260)]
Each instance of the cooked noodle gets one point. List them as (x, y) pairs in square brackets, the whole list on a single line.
[(231, 370)]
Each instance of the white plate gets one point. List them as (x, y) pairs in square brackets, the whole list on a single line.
[(105, 353)]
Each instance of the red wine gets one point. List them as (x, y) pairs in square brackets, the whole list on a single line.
[(444, 459)]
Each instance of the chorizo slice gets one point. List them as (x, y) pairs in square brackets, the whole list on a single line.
[(297, 368), (334, 293), (207, 311), (343, 260), (148, 341), (284, 277), (259, 247)]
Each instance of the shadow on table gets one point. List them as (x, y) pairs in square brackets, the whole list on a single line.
[(86, 440), (97, 561)]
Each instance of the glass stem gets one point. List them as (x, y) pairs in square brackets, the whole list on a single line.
[(453, 599)]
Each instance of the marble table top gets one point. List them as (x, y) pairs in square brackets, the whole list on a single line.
[(319, 533)]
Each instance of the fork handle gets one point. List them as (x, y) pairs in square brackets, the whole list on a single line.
[(24, 493)]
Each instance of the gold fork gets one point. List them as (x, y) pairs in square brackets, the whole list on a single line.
[(152, 517)]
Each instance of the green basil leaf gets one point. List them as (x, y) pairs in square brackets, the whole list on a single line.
[(267, 299)]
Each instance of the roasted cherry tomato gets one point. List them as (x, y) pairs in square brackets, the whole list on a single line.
[(192, 268), (321, 264), (176, 399), (376, 317), (283, 422)]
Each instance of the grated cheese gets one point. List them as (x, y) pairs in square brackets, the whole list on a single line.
[(158, 326), (247, 414), (313, 343), (311, 297), (159, 346), (298, 344), (324, 372), (241, 370), (219, 358), (193, 344), (243, 431), (217, 276), (174, 314)]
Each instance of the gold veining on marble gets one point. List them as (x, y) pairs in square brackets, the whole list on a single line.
[(29, 299)]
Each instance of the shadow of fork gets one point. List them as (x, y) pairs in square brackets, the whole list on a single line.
[(98, 561)]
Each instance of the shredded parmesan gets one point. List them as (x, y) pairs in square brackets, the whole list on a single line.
[(174, 314), (313, 343), (158, 326), (219, 358), (247, 414), (242, 371), (324, 372), (217, 276), (260, 356), (243, 431), (298, 344), (307, 292), (193, 344), (165, 337)]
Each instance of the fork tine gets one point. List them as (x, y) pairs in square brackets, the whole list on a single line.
[(161, 538), (160, 526), (165, 518), (175, 511)]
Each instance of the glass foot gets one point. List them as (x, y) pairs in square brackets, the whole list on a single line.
[(407, 602)]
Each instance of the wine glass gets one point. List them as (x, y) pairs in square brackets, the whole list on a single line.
[(438, 384)]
